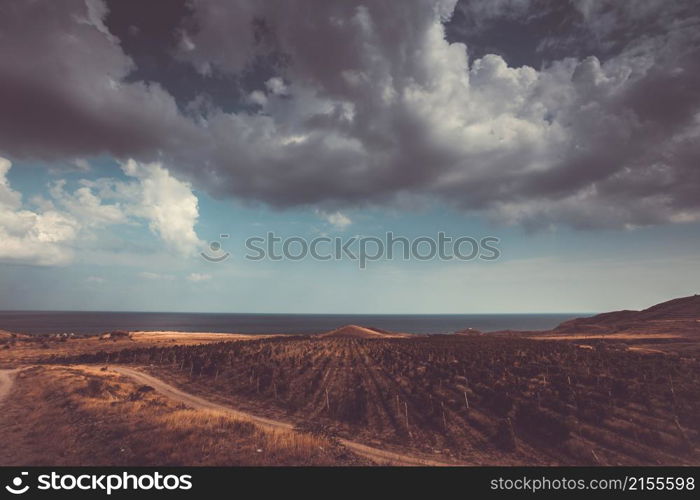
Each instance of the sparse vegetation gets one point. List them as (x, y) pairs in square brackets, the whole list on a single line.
[(18, 350), (93, 417), (485, 399)]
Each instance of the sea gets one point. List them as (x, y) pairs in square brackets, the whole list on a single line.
[(82, 323)]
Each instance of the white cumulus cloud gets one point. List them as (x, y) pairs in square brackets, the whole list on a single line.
[(169, 205), (32, 237), (197, 277), (50, 233), (336, 219), (148, 275)]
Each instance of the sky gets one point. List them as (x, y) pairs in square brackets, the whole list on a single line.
[(133, 135)]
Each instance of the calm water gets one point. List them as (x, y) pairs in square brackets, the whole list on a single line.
[(38, 322)]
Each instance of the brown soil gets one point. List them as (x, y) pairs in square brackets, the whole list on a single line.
[(26, 349), (6, 380), (678, 316), (359, 332), (611, 336), (193, 401), (189, 338), (58, 416), (477, 400)]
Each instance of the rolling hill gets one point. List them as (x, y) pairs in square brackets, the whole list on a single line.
[(682, 314)]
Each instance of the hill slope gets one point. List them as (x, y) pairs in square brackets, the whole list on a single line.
[(684, 312), (358, 332)]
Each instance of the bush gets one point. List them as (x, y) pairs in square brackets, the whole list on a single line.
[(543, 423)]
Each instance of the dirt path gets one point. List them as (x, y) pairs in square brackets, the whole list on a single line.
[(381, 456), (6, 380)]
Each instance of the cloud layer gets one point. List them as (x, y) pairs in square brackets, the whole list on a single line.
[(47, 231), (32, 237), (370, 103)]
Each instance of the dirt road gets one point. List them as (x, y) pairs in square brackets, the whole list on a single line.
[(375, 454), (6, 381)]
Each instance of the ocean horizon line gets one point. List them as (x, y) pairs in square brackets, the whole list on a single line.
[(117, 311), (93, 322)]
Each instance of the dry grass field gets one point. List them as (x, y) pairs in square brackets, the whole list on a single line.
[(88, 416), (18, 350)]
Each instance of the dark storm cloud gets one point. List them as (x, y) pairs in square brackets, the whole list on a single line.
[(537, 112), (537, 32), (150, 33), (524, 32), (62, 90)]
